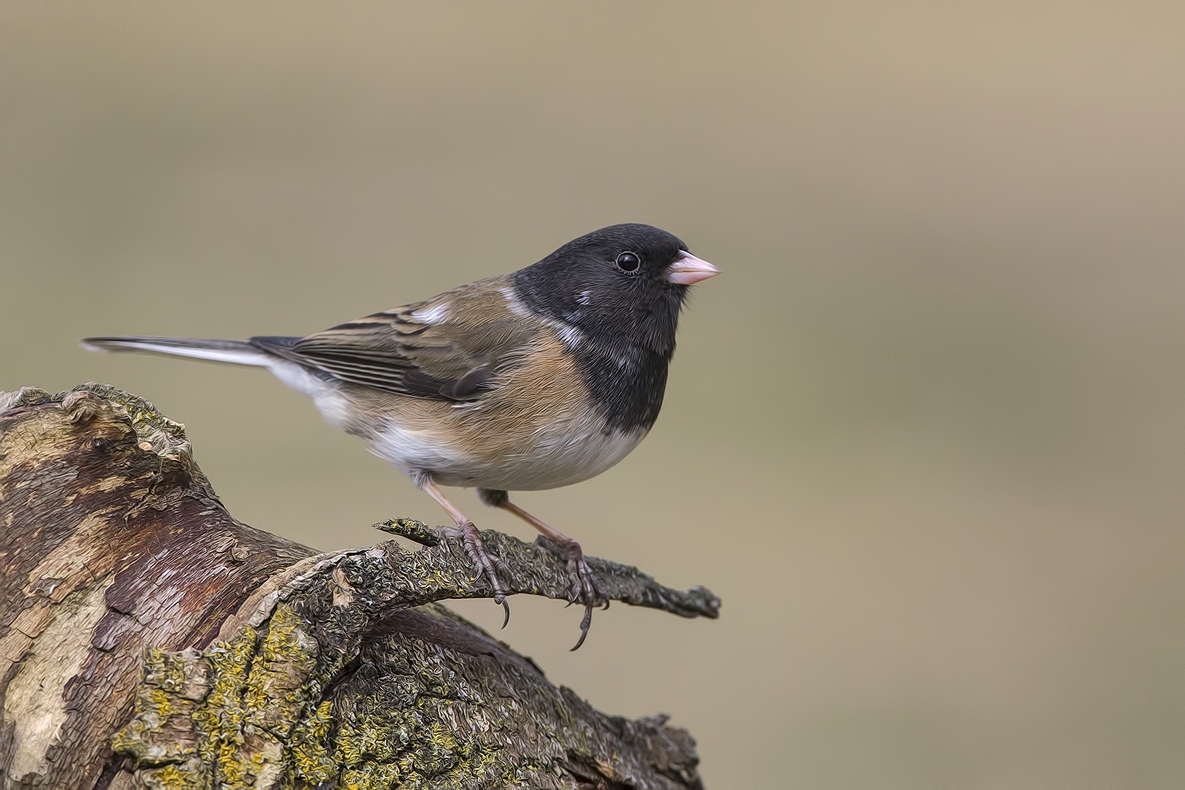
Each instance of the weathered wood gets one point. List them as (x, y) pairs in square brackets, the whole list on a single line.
[(149, 639)]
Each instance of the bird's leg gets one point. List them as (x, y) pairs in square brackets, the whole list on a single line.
[(583, 584), (467, 532)]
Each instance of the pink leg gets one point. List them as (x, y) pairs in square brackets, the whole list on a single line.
[(584, 587), (467, 532)]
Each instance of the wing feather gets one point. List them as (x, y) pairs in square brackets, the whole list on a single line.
[(450, 348)]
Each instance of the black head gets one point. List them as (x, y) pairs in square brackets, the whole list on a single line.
[(620, 286)]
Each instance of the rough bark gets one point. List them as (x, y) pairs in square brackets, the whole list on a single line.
[(148, 639)]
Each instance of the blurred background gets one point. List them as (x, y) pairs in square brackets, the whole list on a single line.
[(924, 435)]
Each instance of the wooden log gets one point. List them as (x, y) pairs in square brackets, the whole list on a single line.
[(148, 639)]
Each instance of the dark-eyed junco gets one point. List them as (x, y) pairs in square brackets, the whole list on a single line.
[(532, 380)]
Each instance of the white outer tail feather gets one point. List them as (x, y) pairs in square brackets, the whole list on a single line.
[(324, 394), (214, 351)]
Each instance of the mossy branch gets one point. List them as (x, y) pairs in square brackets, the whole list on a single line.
[(199, 652)]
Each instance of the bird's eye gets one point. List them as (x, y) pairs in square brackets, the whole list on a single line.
[(628, 262)]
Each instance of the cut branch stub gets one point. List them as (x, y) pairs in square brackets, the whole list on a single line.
[(337, 669)]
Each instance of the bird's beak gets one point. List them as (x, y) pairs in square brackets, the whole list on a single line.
[(688, 269)]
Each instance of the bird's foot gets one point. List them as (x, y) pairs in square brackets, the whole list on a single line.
[(483, 560), (582, 583)]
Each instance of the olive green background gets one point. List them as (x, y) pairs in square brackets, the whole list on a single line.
[(925, 435)]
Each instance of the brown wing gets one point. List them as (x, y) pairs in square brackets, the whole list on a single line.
[(451, 347)]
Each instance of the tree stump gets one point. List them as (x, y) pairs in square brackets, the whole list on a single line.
[(148, 639)]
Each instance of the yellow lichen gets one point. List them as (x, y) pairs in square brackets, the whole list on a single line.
[(190, 775), (162, 703), (219, 720), (310, 747), (374, 777), (276, 689)]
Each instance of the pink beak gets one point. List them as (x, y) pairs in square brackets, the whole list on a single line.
[(688, 269)]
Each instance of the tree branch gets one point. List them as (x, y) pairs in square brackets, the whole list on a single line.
[(149, 639)]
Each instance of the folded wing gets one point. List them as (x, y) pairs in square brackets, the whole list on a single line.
[(450, 348)]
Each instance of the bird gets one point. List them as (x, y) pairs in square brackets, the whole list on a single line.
[(532, 380)]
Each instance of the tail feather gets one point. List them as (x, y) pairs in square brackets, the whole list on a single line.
[(235, 352)]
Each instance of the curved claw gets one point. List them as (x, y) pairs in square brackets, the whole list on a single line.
[(582, 584), (590, 593), (485, 563), (585, 623), (583, 587)]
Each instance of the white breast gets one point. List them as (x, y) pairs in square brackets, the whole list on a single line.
[(565, 456)]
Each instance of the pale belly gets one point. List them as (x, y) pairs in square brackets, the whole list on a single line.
[(557, 454)]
